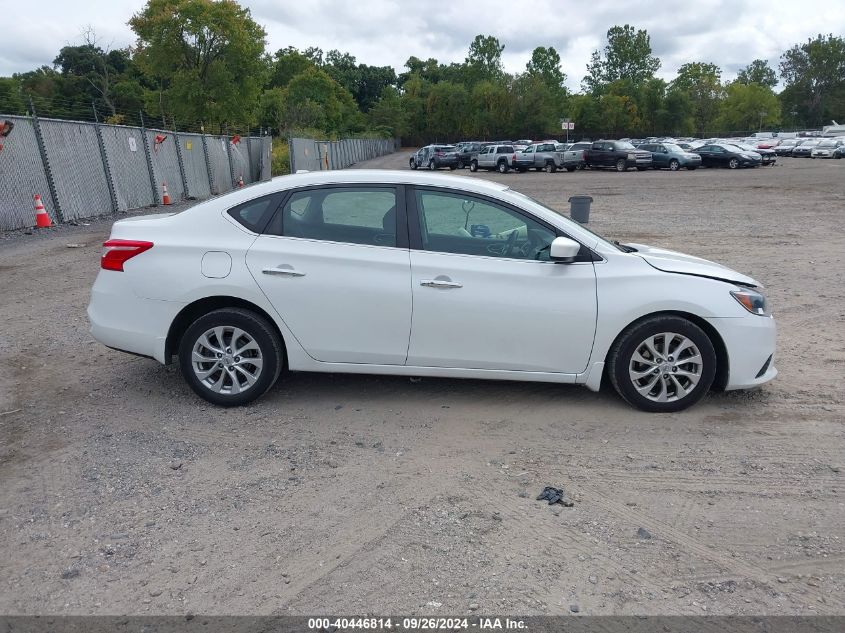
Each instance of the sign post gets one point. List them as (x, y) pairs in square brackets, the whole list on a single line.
[(567, 124)]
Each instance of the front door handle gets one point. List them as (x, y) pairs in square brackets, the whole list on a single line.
[(284, 270), (440, 283)]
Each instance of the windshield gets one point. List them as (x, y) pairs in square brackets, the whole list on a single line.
[(827, 144), (446, 148), (581, 227), (624, 145), (675, 149)]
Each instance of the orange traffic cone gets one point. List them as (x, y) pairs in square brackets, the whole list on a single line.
[(240, 181), (165, 197), (42, 220)]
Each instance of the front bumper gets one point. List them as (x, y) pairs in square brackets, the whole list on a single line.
[(750, 345)]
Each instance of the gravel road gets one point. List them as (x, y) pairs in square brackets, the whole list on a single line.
[(123, 493)]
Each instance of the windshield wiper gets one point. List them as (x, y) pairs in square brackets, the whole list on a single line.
[(624, 247)]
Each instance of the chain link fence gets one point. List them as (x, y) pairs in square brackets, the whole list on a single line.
[(84, 169), (313, 155)]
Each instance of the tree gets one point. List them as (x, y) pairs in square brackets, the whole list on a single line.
[(814, 73), (484, 59), (287, 63), (758, 72), (11, 96), (313, 99), (387, 114), (702, 83), (446, 108), (627, 55), (748, 107), (545, 64), (205, 56)]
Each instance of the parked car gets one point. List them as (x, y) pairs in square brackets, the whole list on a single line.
[(725, 155), (785, 147), (617, 154), (805, 149), (767, 156), (546, 157), (389, 272), (467, 151), (581, 146), (499, 157), (826, 148), (670, 156), (435, 157)]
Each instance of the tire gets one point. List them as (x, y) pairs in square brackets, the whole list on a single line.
[(733, 163), (204, 336), (502, 166), (634, 380), (431, 165), (460, 164), (571, 169), (452, 168), (550, 168), (620, 165), (412, 163), (473, 166), (674, 165)]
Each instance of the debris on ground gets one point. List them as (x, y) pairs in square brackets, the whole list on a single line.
[(555, 495)]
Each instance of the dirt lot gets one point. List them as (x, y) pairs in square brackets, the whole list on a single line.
[(122, 492)]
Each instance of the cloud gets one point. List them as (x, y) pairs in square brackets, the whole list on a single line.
[(729, 33)]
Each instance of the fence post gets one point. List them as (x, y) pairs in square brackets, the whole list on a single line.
[(51, 184), (249, 158), (105, 158), (181, 162), (211, 186), (156, 199), (229, 154), (291, 155)]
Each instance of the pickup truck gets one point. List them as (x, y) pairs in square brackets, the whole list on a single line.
[(617, 154), (499, 157), (545, 156)]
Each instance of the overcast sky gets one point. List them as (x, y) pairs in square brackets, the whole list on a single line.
[(729, 33)]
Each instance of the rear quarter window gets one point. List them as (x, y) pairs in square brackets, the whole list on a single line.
[(254, 214)]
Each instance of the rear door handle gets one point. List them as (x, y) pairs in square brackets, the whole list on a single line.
[(440, 283), (285, 270)]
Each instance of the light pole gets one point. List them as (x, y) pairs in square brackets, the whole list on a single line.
[(763, 113)]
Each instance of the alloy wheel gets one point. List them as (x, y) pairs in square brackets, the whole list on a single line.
[(665, 367), (227, 360)]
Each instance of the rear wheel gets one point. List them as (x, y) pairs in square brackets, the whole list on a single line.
[(473, 166), (734, 163), (230, 356), (620, 165), (431, 165), (460, 164), (550, 167), (662, 364), (674, 165), (502, 167), (412, 164)]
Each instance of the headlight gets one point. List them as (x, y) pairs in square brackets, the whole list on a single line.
[(752, 300)]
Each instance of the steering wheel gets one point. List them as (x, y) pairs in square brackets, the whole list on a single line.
[(507, 248)]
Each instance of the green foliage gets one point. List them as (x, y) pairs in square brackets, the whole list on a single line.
[(484, 59), (702, 84), (814, 73), (280, 159), (627, 56), (287, 63), (11, 96), (749, 106), (758, 72), (206, 58), (388, 115)]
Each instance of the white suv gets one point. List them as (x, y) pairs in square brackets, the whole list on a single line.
[(420, 274)]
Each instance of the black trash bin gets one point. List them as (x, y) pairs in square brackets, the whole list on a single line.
[(579, 208)]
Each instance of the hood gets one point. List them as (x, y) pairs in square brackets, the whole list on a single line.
[(674, 262)]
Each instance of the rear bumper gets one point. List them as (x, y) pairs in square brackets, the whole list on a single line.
[(122, 320), (750, 344)]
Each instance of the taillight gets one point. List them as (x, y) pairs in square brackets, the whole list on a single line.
[(119, 251)]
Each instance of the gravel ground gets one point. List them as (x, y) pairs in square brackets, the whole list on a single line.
[(124, 493)]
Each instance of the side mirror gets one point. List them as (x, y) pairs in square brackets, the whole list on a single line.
[(563, 250)]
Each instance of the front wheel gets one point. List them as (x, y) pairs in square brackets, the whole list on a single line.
[(460, 164), (662, 364), (571, 169), (473, 166), (733, 164), (230, 356), (621, 165), (674, 165), (431, 165), (412, 164)]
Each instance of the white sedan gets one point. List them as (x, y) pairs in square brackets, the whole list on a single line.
[(419, 274)]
